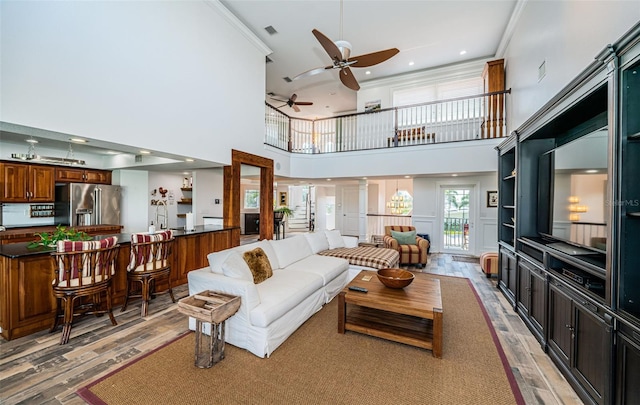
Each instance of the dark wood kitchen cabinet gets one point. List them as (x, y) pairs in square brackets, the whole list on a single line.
[(21, 182), (75, 175)]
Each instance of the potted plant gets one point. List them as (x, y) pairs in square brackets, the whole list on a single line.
[(61, 233), (281, 212)]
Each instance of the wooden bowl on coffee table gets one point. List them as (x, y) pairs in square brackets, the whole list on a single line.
[(395, 278)]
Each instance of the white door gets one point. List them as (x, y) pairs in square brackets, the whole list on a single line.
[(350, 213), (457, 218)]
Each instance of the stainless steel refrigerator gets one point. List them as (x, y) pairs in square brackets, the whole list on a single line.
[(88, 204)]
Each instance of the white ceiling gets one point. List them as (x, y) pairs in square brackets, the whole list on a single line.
[(428, 33)]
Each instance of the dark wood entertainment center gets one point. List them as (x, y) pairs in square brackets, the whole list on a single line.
[(578, 292)]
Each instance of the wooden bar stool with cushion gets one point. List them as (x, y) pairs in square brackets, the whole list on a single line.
[(149, 266), (83, 269)]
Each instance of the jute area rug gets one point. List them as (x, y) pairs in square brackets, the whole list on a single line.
[(317, 365)]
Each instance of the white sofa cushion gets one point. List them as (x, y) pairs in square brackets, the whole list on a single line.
[(282, 292), (350, 241), (317, 241), (236, 267), (325, 266), (335, 239), (291, 250), (217, 258)]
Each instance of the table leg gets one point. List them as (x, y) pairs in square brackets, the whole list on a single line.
[(342, 309), (437, 333)]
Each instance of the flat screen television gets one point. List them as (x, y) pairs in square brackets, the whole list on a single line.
[(576, 193)]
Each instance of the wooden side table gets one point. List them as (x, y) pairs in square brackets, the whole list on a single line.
[(214, 308)]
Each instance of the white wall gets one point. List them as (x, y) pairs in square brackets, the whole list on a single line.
[(567, 35), (151, 74), (445, 158), (135, 187), (207, 187), (426, 206)]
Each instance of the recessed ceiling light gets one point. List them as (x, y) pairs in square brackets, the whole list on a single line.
[(454, 175), (31, 140), (364, 178), (328, 179), (185, 172), (112, 152), (79, 140), (189, 160), (368, 72), (145, 152), (411, 63), (591, 171), (462, 52), (407, 177)]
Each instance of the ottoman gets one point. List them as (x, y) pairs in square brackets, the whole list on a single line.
[(489, 263)]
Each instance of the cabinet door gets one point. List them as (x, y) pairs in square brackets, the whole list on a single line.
[(15, 182), (42, 185), (524, 288), (98, 176), (537, 309), (628, 370), (69, 175), (592, 353), (560, 323)]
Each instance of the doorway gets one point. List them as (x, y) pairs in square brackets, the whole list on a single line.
[(457, 224)]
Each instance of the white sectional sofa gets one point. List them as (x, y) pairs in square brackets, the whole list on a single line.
[(302, 282)]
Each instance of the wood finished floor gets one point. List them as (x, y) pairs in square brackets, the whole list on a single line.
[(36, 370)]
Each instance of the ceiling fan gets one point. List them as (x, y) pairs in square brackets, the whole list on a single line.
[(291, 101), (340, 52)]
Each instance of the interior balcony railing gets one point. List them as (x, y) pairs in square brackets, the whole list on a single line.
[(458, 119)]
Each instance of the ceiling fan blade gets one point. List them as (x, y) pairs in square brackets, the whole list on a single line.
[(373, 58), (328, 45), (295, 108), (303, 103), (348, 79), (312, 72), (278, 98)]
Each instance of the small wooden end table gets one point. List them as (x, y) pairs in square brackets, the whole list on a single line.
[(214, 308), (412, 315)]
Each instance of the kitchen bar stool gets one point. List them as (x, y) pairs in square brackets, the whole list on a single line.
[(83, 271), (150, 267)]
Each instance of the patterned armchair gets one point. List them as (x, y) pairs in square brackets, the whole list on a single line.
[(415, 254)]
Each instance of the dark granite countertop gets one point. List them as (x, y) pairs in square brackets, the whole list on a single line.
[(15, 250)]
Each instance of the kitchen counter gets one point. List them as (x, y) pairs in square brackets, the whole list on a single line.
[(27, 304), (27, 234), (20, 249)]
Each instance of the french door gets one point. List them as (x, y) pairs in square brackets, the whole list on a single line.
[(456, 224)]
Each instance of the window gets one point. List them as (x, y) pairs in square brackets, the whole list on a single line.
[(252, 199), (439, 112)]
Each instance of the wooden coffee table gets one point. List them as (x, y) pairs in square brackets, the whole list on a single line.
[(412, 315)]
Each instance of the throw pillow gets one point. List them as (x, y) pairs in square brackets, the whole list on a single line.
[(234, 266), (335, 239), (404, 238), (318, 241), (258, 264)]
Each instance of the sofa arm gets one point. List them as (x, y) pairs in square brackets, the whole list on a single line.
[(203, 279), (422, 243), (389, 242), (350, 241)]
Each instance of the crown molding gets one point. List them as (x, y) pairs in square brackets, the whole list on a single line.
[(236, 23)]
